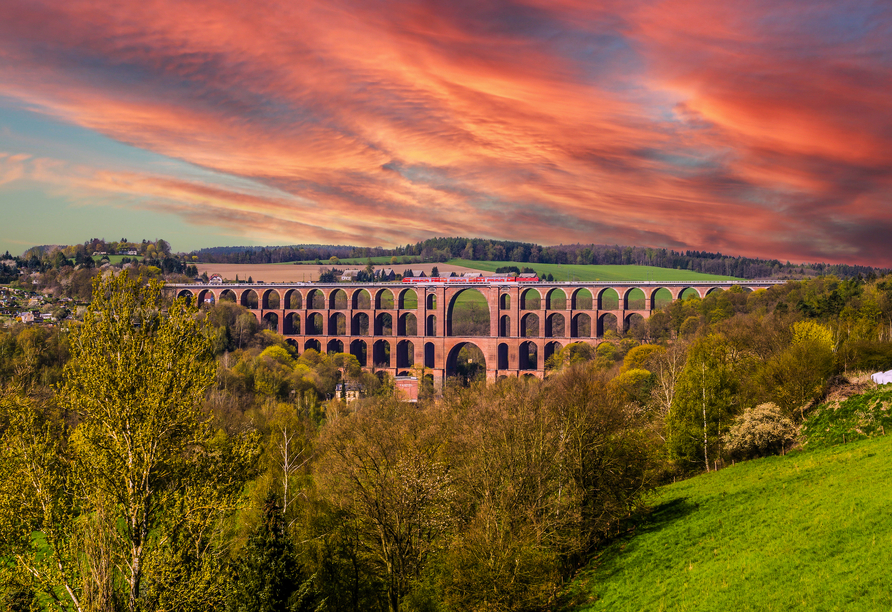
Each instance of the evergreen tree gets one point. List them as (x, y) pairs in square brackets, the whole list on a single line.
[(267, 576)]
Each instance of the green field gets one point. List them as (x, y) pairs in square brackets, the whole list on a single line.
[(564, 272), (809, 531), (594, 273), (116, 259)]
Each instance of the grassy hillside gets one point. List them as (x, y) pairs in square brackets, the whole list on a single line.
[(591, 273), (866, 415), (116, 259), (565, 272), (809, 531)]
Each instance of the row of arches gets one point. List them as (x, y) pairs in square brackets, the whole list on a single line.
[(380, 356), (459, 360), (605, 299), (530, 298), (315, 299), (337, 324), (555, 325)]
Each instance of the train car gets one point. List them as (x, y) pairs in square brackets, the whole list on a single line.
[(426, 279), (473, 280)]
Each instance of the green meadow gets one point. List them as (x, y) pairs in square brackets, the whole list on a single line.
[(562, 272), (809, 531), (116, 259), (567, 272)]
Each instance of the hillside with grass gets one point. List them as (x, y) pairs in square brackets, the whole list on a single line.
[(560, 272), (807, 531), (574, 272)]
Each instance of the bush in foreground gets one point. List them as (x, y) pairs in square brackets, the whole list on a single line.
[(759, 432)]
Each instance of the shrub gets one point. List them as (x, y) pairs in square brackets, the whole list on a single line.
[(759, 432)]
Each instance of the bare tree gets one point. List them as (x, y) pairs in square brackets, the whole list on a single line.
[(666, 367)]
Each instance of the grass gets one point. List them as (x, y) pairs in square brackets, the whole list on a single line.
[(858, 417), (563, 272), (809, 531), (116, 259)]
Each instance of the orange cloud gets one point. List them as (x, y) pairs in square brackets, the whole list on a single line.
[(759, 128)]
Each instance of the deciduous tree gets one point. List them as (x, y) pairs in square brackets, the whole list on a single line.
[(129, 501), (705, 402), (384, 470)]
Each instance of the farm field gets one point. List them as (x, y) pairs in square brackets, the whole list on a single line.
[(809, 531), (287, 273), (116, 259), (284, 273), (572, 272)]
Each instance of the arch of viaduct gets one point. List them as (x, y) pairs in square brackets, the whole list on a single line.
[(391, 326)]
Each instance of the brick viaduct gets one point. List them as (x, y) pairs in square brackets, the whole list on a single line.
[(391, 326)]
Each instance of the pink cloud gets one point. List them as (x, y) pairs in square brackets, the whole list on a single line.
[(756, 128)]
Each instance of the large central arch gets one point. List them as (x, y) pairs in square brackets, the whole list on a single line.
[(467, 361), (468, 314)]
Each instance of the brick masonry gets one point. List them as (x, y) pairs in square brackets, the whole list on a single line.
[(287, 308)]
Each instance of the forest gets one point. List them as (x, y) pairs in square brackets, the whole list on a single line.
[(155, 456)]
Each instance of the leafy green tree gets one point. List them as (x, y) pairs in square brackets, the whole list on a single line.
[(638, 356), (130, 501), (19, 598), (798, 375), (504, 556), (704, 403), (385, 473)]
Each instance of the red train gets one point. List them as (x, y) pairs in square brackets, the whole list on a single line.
[(479, 280)]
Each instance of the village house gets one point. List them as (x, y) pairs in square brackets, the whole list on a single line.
[(350, 275), (348, 391)]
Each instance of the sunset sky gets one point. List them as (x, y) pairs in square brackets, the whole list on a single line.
[(759, 128)]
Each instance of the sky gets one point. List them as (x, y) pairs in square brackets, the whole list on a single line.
[(759, 127)]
